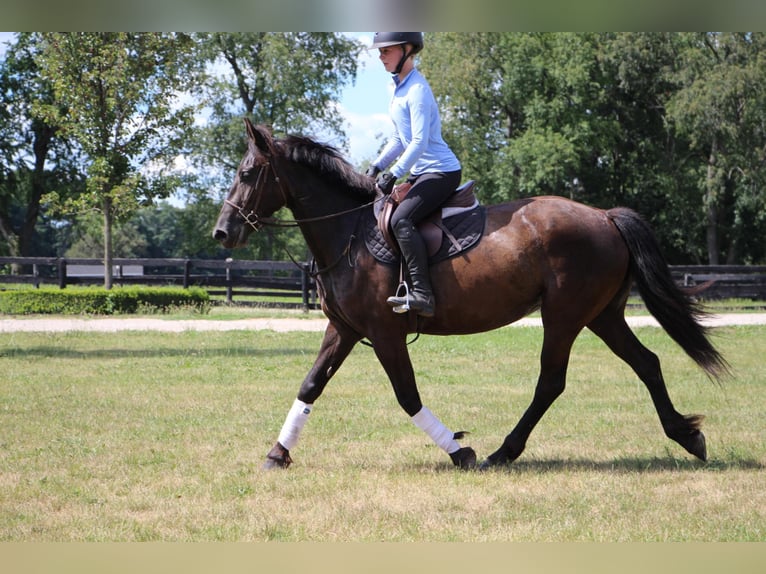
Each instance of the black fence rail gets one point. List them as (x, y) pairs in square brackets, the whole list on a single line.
[(252, 280), (264, 279), (724, 281)]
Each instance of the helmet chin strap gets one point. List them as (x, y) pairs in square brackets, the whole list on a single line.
[(405, 55)]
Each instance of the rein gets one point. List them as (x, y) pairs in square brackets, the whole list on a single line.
[(256, 222)]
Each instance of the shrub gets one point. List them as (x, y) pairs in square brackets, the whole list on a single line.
[(99, 301)]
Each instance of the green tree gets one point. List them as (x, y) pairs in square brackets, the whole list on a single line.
[(127, 241), (120, 92), (288, 80), (721, 109), (466, 73), (644, 165), (34, 157), (669, 124), (173, 231), (519, 108)]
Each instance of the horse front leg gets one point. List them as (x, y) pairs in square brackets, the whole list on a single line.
[(336, 346), (395, 360)]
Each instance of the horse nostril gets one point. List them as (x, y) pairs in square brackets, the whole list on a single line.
[(219, 234)]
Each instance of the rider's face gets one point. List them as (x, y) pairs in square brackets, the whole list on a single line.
[(390, 56)]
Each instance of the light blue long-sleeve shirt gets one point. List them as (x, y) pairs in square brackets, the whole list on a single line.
[(417, 138)]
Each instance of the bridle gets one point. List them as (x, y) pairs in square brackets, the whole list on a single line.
[(255, 194), (255, 221)]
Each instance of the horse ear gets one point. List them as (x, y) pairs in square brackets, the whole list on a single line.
[(259, 135)]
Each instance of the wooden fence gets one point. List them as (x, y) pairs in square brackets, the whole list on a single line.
[(263, 279), (251, 280), (724, 281)]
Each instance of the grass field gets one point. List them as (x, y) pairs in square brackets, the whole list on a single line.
[(140, 436)]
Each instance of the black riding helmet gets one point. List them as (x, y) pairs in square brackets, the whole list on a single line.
[(385, 39)]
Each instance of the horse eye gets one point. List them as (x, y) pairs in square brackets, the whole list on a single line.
[(246, 174)]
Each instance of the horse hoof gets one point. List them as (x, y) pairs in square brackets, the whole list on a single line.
[(690, 437), (464, 458), (485, 465), (272, 463), (696, 446), (278, 457), (495, 459)]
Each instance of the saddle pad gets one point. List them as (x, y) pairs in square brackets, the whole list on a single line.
[(467, 228)]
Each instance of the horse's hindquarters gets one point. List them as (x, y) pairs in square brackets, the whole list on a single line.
[(549, 253)]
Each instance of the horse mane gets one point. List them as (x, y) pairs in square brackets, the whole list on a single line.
[(328, 161)]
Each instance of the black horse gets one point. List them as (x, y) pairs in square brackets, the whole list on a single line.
[(574, 263)]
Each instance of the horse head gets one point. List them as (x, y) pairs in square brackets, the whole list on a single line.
[(311, 179), (255, 193)]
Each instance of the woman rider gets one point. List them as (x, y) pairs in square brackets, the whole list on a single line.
[(419, 150)]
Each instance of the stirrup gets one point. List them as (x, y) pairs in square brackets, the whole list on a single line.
[(405, 307)]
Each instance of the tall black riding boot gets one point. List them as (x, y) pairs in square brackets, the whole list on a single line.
[(413, 248)]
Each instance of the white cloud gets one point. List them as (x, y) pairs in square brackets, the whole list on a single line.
[(364, 105), (366, 133)]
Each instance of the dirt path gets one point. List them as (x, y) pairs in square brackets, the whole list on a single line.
[(111, 324)]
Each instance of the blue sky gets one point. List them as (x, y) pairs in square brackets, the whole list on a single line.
[(363, 105)]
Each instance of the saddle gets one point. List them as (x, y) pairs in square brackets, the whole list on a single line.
[(453, 228), (432, 228)]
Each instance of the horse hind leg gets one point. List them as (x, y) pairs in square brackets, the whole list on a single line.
[(611, 327), (554, 360)]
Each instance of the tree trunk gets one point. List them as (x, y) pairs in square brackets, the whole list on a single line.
[(107, 242), (712, 193), (42, 142), (6, 232), (712, 234)]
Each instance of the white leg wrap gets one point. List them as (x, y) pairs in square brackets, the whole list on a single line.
[(433, 427), (294, 423)]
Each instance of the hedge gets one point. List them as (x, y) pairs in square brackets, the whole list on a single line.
[(99, 301)]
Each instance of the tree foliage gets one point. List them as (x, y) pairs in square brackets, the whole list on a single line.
[(119, 92), (720, 109), (669, 124), (34, 156), (288, 80)]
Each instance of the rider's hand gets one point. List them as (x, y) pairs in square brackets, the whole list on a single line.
[(385, 182), (372, 171)]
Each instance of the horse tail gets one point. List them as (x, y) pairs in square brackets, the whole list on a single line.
[(674, 309)]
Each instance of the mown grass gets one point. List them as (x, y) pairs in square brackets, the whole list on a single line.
[(139, 436)]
